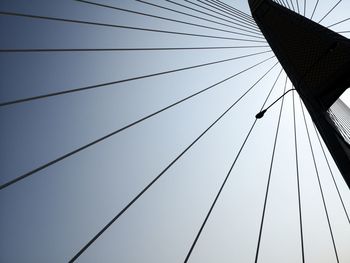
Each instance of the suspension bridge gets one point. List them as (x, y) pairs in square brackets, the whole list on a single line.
[(129, 132)]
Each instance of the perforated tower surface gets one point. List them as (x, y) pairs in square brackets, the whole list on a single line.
[(317, 61)]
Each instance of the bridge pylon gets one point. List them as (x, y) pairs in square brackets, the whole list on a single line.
[(317, 61)]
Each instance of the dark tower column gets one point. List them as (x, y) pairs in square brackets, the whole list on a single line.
[(317, 61)]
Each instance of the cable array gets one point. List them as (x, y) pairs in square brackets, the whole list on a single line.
[(339, 113), (319, 183), (166, 169), (302, 246), (270, 171), (101, 85)]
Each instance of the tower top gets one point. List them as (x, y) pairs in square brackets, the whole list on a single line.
[(315, 58)]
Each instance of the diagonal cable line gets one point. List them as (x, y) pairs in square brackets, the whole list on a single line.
[(291, 1), (221, 12), (313, 12), (330, 11), (125, 49), (298, 8), (227, 11), (287, 2), (233, 9), (223, 185), (81, 251), (284, 3), (106, 84), (270, 171), (214, 16), (298, 184), (46, 165), (125, 27), (279, 2), (337, 23), (319, 183), (331, 172), (230, 14), (242, 23), (201, 18), (159, 17)]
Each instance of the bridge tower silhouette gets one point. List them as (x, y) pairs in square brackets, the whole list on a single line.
[(317, 61)]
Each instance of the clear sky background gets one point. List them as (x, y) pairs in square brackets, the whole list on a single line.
[(50, 216)]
